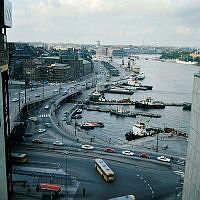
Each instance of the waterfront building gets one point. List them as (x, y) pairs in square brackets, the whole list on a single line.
[(191, 189), (101, 51), (59, 73), (195, 54)]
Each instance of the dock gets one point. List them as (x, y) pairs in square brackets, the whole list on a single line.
[(123, 113)]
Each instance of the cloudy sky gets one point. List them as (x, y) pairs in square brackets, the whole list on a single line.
[(152, 22)]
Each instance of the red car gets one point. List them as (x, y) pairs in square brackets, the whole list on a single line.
[(109, 150), (38, 141), (144, 155)]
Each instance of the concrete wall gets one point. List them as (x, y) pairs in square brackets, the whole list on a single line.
[(3, 179), (191, 189)]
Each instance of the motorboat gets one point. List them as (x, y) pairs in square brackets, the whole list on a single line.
[(139, 130), (135, 69), (140, 76)]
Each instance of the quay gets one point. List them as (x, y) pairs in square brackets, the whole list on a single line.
[(122, 113), (128, 103)]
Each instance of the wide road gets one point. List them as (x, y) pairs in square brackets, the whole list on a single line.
[(145, 180)]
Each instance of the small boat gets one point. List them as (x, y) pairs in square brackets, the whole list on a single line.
[(76, 116), (95, 96), (140, 76), (187, 106), (149, 103), (121, 91), (91, 125), (79, 111), (135, 69), (87, 126)]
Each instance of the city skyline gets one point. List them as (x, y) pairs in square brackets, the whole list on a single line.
[(112, 22)]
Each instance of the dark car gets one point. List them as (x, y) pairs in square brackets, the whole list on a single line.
[(28, 134), (109, 150), (144, 155), (38, 141)]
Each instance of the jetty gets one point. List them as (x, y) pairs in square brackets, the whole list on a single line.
[(122, 113)]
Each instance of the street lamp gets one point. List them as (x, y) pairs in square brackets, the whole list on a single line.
[(75, 128), (66, 153)]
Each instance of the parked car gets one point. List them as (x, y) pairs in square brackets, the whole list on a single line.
[(28, 134), (48, 125), (109, 150), (58, 143), (163, 159), (15, 100), (38, 141), (86, 146), (34, 119), (128, 153), (41, 130), (144, 155), (46, 107), (37, 95)]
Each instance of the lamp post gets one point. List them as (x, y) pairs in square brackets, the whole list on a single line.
[(75, 128), (157, 142), (66, 153)]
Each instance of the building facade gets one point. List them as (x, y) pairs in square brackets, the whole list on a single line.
[(5, 168), (191, 189)]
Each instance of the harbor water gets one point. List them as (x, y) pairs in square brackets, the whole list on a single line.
[(172, 83)]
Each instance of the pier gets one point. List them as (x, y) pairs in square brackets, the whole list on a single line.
[(122, 113)]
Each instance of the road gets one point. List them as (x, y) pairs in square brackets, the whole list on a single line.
[(137, 177)]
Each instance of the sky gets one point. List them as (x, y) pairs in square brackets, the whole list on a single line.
[(126, 22)]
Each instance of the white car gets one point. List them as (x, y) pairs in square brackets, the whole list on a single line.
[(86, 146), (15, 100), (21, 92), (58, 143), (46, 107), (41, 130), (48, 125), (37, 95), (163, 158), (128, 153), (55, 91), (34, 119)]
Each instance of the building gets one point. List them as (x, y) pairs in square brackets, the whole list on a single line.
[(195, 54), (59, 73), (191, 189), (5, 168), (102, 51)]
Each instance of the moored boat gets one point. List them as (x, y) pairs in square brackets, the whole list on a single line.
[(149, 103), (91, 125), (139, 130), (140, 76)]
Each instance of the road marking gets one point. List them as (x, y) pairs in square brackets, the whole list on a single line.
[(44, 115)]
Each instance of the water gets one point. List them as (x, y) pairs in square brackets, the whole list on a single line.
[(172, 83)]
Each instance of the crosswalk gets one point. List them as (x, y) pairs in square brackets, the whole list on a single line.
[(180, 173), (44, 115)]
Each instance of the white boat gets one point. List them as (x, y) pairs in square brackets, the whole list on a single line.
[(134, 83), (185, 62), (141, 76), (135, 69), (139, 129)]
